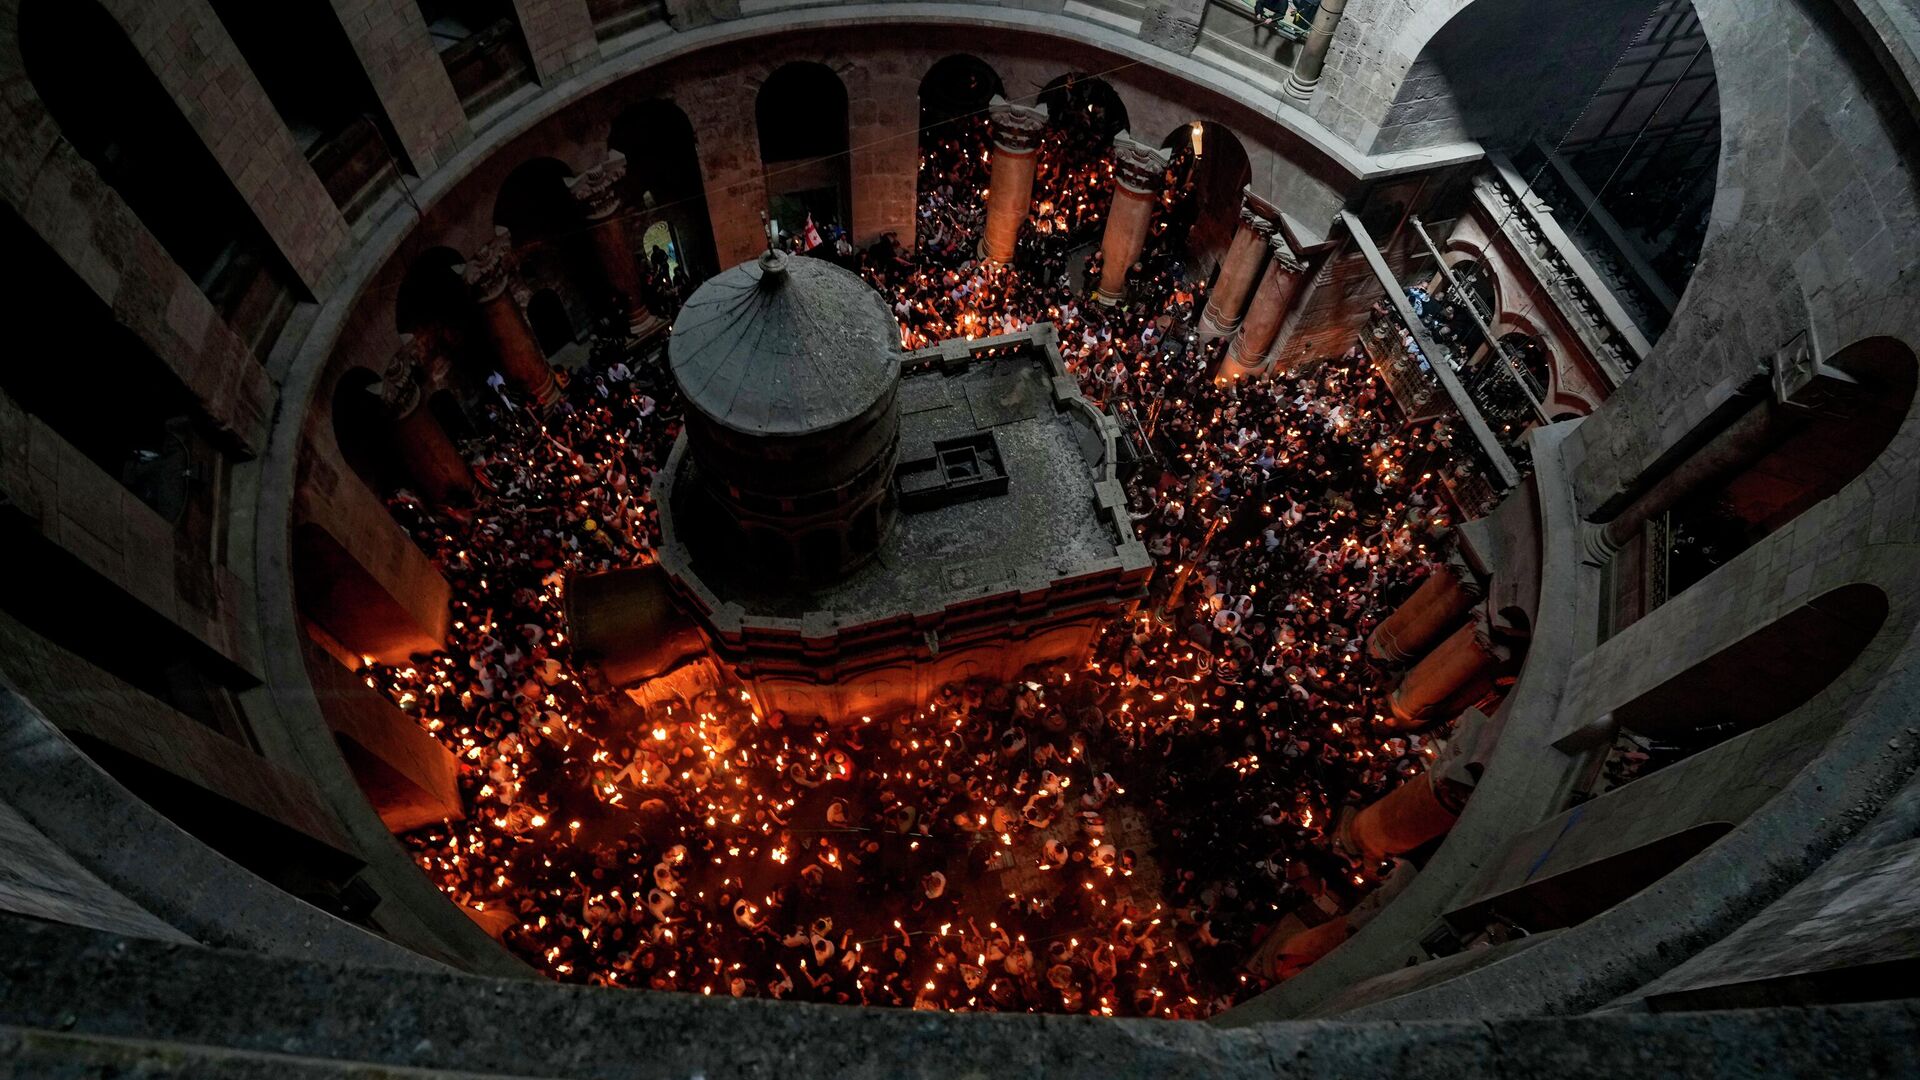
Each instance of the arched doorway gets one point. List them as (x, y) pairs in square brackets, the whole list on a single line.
[(434, 302), (1074, 185), (550, 242), (956, 88), (801, 117), (1211, 172), (664, 186), (361, 431), (955, 140)]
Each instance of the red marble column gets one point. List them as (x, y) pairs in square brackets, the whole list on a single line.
[(1016, 148), (1457, 673), (1299, 952), (490, 274), (1272, 300), (1238, 272), (598, 190), (1139, 171), (1403, 819), (432, 461), (1424, 618)]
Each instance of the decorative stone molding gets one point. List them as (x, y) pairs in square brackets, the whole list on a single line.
[(598, 189), (1139, 167), (1016, 128), (1800, 381), (402, 385), (1283, 255), (1252, 219), (490, 269)]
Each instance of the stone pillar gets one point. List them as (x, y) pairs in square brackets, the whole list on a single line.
[(1313, 55), (490, 274), (1420, 809), (598, 190), (1299, 952), (1016, 148), (1457, 673), (1238, 272), (432, 461), (1424, 618), (1272, 300), (1139, 171)]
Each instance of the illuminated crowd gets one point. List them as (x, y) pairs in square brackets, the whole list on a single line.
[(1118, 839)]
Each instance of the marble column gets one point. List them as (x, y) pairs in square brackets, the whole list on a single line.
[(1238, 273), (1016, 148), (1458, 672), (432, 461), (1139, 172), (1420, 809), (1313, 54), (1272, 301), (1426, 617), (489, 273), (598, 191)]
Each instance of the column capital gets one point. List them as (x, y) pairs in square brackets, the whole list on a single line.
[(598, 188), (1140, 168), (1254, 221), (1016, 128), (1283, 256), (403, 384), (490, 269)]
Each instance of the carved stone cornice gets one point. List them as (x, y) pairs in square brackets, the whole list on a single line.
[(1140, 168), (1283, 255), (598, 189), (1256, 222), (490, 269), (1016, 128)]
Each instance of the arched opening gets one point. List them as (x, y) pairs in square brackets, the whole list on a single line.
[(1211, 172), (663, 188), (801, 116), (548, 317), (317, 84), (1696, 755), (434, 302), (956, 89), (480, 45), (1074, 183), (955, 137), (361, 431), (1618, 131), (1802, 653), (116, 115), (1803, 454), (551, 246)]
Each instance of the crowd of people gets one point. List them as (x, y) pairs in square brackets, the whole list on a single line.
[(1116, 839)]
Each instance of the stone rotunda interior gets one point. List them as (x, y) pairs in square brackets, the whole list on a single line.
[(738, 538)]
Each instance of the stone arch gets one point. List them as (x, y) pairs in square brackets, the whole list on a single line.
[(113, 111), (434, 302), (663, 182), (1810, 452), (533, 203), (361, 431), (1212, 172), (956, 87), (1077, 101), (801, 116)]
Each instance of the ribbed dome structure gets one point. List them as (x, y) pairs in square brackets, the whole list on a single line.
[(785, 346), (791, 371)]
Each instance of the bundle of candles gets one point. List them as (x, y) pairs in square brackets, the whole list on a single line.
[(1116, 839)]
